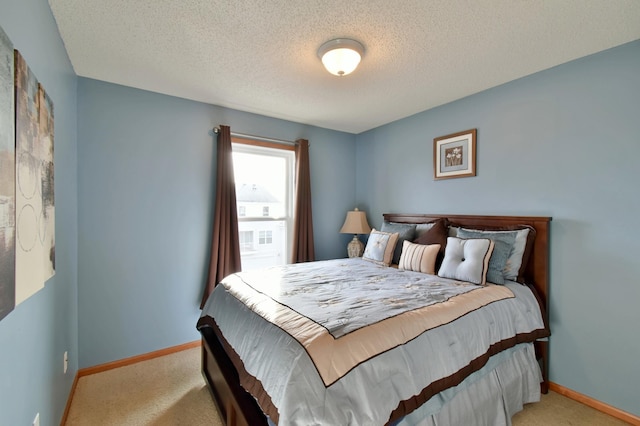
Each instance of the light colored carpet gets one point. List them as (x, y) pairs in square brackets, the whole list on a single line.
[(164, 391), (170, 390)]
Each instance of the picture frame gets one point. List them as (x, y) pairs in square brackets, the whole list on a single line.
[(454, 155)]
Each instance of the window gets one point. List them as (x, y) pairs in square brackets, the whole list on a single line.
[(246, 240), (266, 237), (264, 175)]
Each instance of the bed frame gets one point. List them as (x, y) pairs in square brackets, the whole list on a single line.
[(238, 408)]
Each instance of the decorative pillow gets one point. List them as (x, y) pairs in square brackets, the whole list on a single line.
[(467, 260), (437, 234), (522, 246), (504, 242), (380, 246), (418, 257), (405, 231), (421, 228)]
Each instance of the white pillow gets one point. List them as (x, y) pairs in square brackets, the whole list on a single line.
[(467, 259), (380, 246), (419, 257)]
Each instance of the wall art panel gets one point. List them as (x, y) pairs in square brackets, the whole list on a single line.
[(7, 178), (35, 210)]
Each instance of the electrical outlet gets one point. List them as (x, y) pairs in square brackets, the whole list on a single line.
[(36, 421), (66, 362)]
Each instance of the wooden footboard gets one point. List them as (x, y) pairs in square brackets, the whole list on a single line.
[(237, 407)]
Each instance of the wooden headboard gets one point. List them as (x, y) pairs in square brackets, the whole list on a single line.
[(537, 270)]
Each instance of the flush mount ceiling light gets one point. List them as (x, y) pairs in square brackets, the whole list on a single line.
[(341, 56)]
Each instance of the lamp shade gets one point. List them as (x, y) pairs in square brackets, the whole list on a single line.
[(341, 56), (355, 223)]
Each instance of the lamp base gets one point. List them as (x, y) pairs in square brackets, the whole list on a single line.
[(355, 247)]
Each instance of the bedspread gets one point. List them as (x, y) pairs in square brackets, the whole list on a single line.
[(350, 342)]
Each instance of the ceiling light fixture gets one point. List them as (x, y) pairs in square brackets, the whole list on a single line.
[(341, 56)]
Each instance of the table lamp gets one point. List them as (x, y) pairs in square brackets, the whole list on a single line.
[(355, 223)]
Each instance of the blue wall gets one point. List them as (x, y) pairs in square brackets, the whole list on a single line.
[(134, 197), (35, 335), (146, 165), (561, 143)]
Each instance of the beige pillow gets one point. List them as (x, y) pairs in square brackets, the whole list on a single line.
[(419, 257), (380, 246)]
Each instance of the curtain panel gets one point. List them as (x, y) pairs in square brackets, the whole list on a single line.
[(303, 246), (225, 243)]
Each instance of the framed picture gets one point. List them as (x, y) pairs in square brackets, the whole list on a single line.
[(454, 155)]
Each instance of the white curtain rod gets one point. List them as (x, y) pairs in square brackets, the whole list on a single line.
[(216, 130)]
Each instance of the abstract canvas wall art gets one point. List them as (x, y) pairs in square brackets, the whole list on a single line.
[(35, 209), (7, 178)]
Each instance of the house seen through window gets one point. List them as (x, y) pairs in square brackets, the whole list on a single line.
[(264, 196)]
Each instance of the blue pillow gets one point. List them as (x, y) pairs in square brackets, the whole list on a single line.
[(405, 232), (380, 246), (504, 242)]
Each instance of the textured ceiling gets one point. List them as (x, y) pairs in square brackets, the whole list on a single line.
[(260, 55)]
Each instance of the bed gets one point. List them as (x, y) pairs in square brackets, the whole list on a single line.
[(276, 374)]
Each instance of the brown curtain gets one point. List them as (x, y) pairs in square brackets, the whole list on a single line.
[(303, 250), (225, 244)]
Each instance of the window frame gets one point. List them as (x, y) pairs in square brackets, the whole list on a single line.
[(281, 150), (247, 245), (265, 237)]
